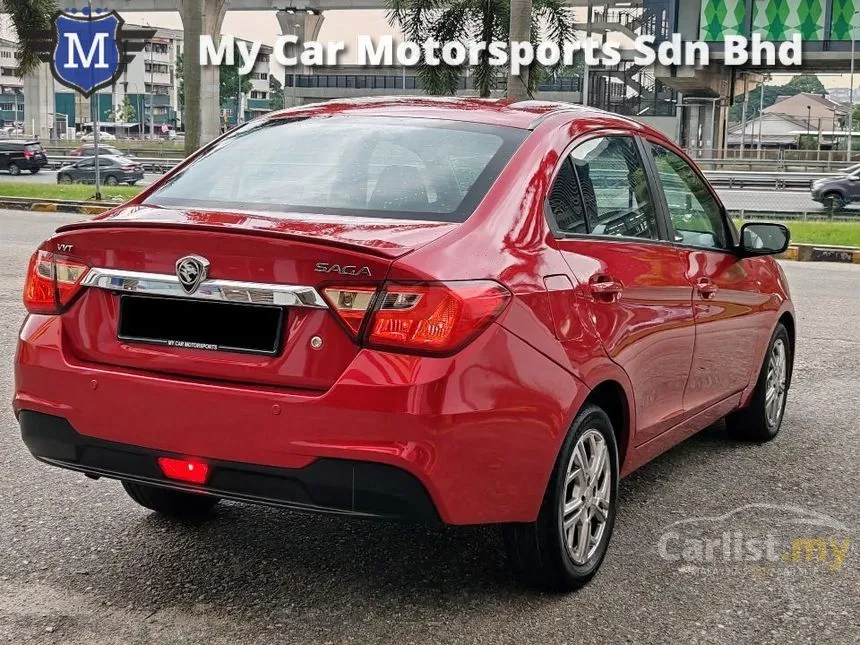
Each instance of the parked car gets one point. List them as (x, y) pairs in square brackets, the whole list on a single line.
[(457, 311), (103, 136), (17, 156), (837, 192), (113, 170), (90, 150)]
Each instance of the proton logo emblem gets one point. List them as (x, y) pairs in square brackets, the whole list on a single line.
[(191, 271)]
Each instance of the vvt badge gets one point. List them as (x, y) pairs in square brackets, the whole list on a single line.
[(86, 51)]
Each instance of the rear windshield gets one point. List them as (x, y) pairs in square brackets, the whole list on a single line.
[(34, 147), (357, 166)]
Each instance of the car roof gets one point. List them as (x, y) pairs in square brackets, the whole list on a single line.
[(22, 142), (525, 115)]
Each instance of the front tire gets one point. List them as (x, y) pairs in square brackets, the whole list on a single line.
[(172, 503), (14, 170), (64, 179), (111, 180), (564, 548), (762, 418)]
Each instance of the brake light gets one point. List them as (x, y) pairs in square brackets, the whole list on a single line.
[(127, 168), (437, 318), (185, 470), (28, 154), (52, 282)]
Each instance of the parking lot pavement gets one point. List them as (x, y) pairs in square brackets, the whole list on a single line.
[(80, 563)]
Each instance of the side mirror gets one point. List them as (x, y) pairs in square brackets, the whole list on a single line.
[(764, 239)]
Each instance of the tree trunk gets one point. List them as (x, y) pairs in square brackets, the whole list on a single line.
[(520, 31)]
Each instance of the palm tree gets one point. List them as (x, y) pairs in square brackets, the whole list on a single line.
[(520, 31), (30, 17), (478, 21)]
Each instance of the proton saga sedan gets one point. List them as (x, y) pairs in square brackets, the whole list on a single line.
[(451, 311)]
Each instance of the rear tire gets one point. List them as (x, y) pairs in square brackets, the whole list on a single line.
[(172, 503), (34, 171), (564, 548), (834, 201), (762, 418), (111, 180)]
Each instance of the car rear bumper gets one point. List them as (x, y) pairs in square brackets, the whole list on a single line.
[(479, 432), (327, 485)]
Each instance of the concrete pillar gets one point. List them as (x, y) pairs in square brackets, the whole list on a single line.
[(202, 89), (306, 27), (39, 103)]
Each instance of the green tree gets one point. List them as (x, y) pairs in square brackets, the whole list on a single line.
[(124, 113), (475, 21), (276, 93), (229, 77), (29, 18)]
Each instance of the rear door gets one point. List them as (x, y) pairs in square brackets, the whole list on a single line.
[(727, 302), (611, 233)]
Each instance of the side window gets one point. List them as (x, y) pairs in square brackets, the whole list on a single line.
[(89, 163), (696, 216), (602, 189)]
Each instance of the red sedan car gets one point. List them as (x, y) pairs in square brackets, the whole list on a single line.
[(454, 311)]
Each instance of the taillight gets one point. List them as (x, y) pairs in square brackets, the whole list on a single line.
[(436, 318), (52, 282), (127, 168), (28, 154)]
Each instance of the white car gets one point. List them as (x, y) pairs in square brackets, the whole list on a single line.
[(103, 136)]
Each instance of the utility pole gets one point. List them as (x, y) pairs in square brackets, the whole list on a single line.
[(744, 115), (851, 100), (761, 111), (96, 122)]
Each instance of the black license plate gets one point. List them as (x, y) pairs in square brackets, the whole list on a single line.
[(201, 324)]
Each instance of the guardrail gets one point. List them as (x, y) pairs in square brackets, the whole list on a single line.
[(725, 178), (777, 180)]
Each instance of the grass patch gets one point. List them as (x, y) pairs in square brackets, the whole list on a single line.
[(76, 192), (826, 233), (832, 233)]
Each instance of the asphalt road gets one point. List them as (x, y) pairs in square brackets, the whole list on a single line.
[(80, 563)]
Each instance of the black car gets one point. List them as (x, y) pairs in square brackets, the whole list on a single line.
[(113, 170), (17, 156)]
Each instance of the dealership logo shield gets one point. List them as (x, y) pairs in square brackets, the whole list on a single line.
[(86, 54), (191, 271)]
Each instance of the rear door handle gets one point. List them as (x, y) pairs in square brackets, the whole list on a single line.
[(606, 289), (706, 288)]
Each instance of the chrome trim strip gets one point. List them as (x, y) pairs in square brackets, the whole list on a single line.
[(161, 284)]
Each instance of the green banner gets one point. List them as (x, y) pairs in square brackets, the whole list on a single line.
[(721, 18)]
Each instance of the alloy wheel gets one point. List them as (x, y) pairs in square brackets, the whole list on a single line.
[(775, 385), (587, 495)]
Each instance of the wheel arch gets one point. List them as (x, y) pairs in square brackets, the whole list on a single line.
[(611, 397)]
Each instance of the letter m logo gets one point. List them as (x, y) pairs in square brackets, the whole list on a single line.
[(86, 53)]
